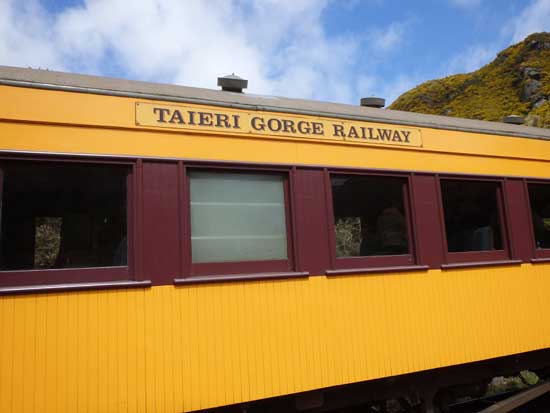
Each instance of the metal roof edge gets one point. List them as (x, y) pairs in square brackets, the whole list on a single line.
[(51, 80)]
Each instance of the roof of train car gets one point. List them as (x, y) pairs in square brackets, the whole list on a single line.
[(47, 79)]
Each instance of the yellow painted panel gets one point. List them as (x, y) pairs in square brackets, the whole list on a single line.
[(173, 349), (88, 110), (94, 141)]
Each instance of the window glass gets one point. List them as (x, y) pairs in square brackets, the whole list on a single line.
[(539, 197), (472, 217), (369, 215), (237, 217), (62, 216)]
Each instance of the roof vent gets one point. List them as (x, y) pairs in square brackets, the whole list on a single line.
[(514, 119), (232, 83), (373, 102)]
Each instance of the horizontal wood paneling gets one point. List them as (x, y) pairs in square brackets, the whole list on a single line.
[(174, 349)]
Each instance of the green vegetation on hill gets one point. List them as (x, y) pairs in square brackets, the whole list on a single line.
[(516, 82)]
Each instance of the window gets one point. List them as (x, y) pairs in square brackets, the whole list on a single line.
[(239, 222), (57, 216), (371, 224), (474, 220), (539, 200)]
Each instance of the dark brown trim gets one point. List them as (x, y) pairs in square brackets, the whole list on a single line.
[(480, 264), (505, 233), (138, 221), (131, 226), (185, 220), (330, 218), (540, 260), (374, 261), (412, 228), (521, 238), (240, 267), (56, 288), (161, 214), (291, 197), (378, 270), (209, 279), (63, 275), (427, 222), (184, 233), (312, 237), (537, 252)]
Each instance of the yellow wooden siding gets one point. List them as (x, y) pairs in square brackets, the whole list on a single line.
[(55, 121), (173, 349), (71, 139)]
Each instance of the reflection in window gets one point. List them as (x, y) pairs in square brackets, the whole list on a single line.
[(62, 216), (237, 217), (369, 215), (539, 198), (472, 218)]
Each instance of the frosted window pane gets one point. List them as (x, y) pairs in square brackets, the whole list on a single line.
[(237, 217)]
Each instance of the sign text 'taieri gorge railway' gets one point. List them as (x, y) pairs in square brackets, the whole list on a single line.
[(199, 118)]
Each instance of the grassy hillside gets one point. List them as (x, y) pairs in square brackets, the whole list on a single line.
[(516, 82)]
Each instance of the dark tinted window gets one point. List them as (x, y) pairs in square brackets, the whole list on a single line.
[(62, 216), (472, 217), (369, 216), (539, 197)]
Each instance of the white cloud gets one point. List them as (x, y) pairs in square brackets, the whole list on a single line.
[(534, 18), (388, 38), (471, 59), (25, 36), (281, 46)]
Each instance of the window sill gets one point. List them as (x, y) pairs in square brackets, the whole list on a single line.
[(540, 260), (55, 288), (378, 270), (208, 279), (480, 264)]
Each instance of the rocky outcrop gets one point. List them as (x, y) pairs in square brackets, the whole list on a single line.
[(516, 82)]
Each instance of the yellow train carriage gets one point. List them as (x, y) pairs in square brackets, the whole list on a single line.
[(173, 249)]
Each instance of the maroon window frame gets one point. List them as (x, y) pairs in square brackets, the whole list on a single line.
[(67, 276), (539, 254), (478, 257), (260, 267), (369, 263)]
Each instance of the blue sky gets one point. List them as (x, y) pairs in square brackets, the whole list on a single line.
[(334, 50)]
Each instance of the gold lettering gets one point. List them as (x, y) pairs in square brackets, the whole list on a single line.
[(222, 120), (161, 112), (352, 133), (177, 118), (384, 134), (303, 127), (338, 130), (257, 123), (205, 119), (396, 137)]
